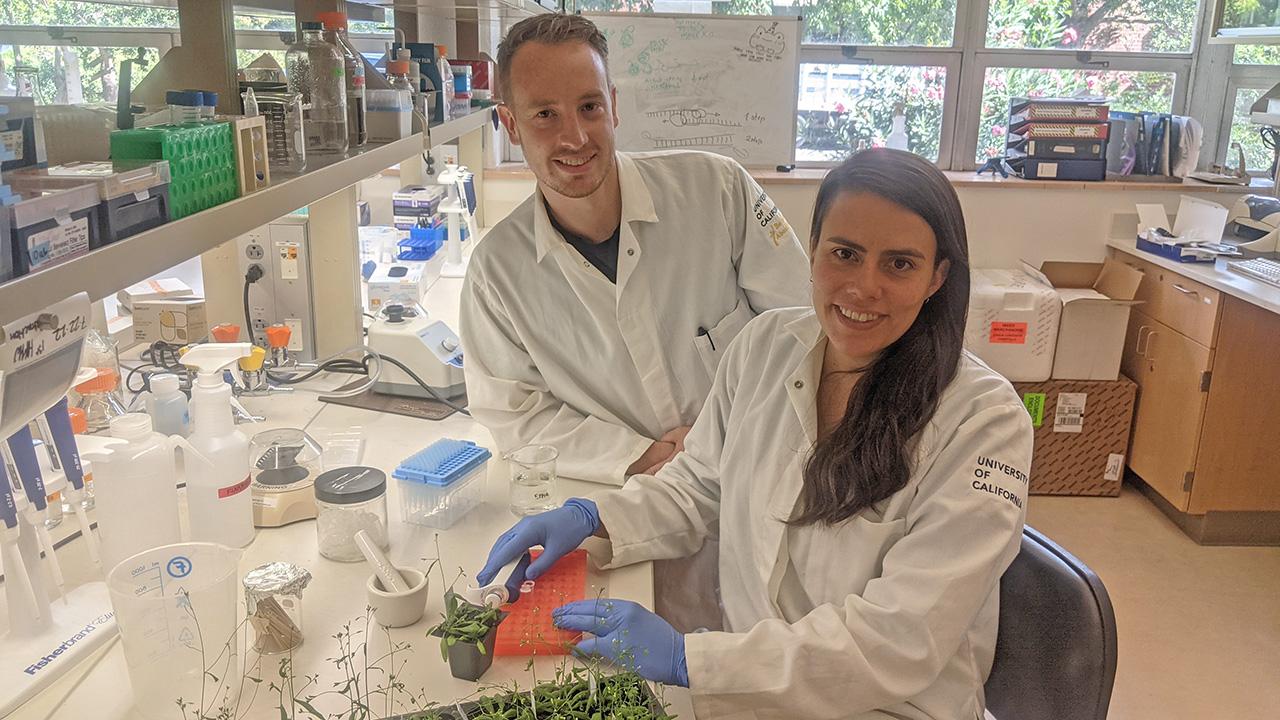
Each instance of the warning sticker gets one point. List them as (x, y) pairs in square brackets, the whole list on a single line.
[(1069, 415), (1035, 406), (11, 141), (1008, 333), (236, 489)]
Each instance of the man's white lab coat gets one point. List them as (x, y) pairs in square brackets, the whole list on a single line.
[(556, 354), (893, 610)]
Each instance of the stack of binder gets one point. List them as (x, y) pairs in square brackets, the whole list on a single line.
[(1058, 138)]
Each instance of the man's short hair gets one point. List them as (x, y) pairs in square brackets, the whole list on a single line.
[(549, 29)]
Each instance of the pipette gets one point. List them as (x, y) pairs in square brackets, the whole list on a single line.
[(14, 568), (22, 449), (56, 425)]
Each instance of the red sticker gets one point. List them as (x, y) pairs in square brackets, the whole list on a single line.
[(1008, 333), (236, 489)]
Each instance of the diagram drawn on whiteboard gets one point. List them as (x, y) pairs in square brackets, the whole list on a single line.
[(724, 141), (685, 117), (766, 44)]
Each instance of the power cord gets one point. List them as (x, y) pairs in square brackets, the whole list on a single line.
[(251, 276)]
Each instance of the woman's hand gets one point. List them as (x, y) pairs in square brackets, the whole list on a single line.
[(629, 636), (558, 531)]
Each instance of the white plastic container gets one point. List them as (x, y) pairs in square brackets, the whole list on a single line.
[(176, 608), (167, 406), (219, 503), (135, 488), (1013, 323), (390, 114)]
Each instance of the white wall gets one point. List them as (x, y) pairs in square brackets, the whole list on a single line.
[(1005, 223)]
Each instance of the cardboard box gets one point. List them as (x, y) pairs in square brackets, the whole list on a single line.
[(1081, 435), (178, 320), (159, 289), (1013, 323), (402, 282), (1096, 298)]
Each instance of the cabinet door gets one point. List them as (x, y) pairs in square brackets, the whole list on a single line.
[(1166, 433)]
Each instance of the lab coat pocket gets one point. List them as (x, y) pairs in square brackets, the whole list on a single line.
[(843, 559), (712, 343)]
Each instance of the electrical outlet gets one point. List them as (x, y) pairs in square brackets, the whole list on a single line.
[(254, 251)]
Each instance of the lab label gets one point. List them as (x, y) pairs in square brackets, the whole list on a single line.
[(59, 243), (1069, 415), (1035, 406), (1008, 333)]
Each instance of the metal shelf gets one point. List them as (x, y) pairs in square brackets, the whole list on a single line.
[(449, 130), (116, 266)]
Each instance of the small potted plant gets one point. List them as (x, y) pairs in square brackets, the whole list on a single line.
[(467, 635)]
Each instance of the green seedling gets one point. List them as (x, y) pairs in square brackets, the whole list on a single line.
[(464, 623)]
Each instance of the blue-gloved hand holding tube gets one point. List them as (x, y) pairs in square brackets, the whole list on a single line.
[(629, 636), (558, 531)]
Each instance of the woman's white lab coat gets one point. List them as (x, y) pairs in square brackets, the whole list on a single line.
[(557, 354), (891, 613)]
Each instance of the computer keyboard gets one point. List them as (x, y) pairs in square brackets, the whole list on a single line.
[(1267, 271)]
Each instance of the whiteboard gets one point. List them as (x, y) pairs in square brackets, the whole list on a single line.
[(725, 84)]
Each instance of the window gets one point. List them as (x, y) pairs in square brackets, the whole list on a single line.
[(847, 106), (1126, 91), (1257, 155), (85, 14), (1115, 26), (1243, 18)]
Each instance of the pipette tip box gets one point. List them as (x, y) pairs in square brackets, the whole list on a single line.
[(438, 485)]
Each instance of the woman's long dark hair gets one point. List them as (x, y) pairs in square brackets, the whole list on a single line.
[(867, 457)]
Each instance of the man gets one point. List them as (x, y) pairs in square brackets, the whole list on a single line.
[(594, 316)]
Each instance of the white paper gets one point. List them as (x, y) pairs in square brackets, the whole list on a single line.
[(1151, 216), (1068, 416), (1115, 467), (1200, 220)]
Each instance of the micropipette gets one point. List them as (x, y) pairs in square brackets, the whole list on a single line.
[(22, 448), (13, 565), (56, 425)]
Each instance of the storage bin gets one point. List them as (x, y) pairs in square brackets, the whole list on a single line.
[(202, 161), (1013, 323), (134, 195), (53, 228)]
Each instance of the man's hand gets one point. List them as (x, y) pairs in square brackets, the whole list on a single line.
[(658, 454), (676, 436)]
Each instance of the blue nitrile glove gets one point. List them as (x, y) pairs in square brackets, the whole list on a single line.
[(629, 636), (558, 531)]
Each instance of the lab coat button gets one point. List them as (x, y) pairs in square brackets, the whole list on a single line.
[(799, 384), (631, 251)]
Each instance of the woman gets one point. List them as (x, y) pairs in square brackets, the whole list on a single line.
[(867, 476)]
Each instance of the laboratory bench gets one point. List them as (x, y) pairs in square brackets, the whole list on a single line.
[(336, 595), (1204, 348)]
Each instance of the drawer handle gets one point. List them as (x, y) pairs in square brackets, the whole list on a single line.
[(1150, 336), (1138, 268), (1184, 291), (1138, 346)]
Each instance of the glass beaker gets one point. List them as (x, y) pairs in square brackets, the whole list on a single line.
[(533, 479), (176, 608)]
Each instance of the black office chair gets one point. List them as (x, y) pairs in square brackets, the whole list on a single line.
[(1055, 653)]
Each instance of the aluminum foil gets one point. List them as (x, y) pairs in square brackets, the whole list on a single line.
[(272, 579)]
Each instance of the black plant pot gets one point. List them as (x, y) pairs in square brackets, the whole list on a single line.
[(466, 662)]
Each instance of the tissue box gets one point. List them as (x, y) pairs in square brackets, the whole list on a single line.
[(178, 320), (1013, 323)]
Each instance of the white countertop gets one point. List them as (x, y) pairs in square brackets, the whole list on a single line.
[(98, 688), (1215, 275)]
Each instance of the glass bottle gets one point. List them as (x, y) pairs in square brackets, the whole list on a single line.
[(335, 26), (98, 400), (316, 69)]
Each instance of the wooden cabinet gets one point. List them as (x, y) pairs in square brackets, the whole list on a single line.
[(1206, 432), (1170, 370)]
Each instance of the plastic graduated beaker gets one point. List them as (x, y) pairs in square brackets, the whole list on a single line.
[(176, 607)]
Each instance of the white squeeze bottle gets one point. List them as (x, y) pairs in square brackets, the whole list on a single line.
[(167, 406), (218, 499)]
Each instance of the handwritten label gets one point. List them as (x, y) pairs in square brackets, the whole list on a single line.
[(754, 140), (36, 336)]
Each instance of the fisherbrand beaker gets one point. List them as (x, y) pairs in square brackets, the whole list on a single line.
[(176, 608)]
